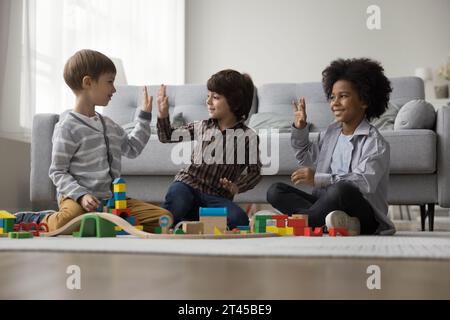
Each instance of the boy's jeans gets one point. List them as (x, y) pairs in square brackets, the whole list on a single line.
[(29, 216), (184, 203)]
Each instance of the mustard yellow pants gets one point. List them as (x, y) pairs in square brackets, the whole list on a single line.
[(147, 214)]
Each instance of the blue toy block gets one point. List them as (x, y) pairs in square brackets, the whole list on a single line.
[(216, 212), (121, 233), (1, 223), (131, 220), (110, 203), (118, 180), (243, 228), (120, 196), (100, 207)]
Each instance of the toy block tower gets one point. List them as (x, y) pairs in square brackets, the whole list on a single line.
[(6, 222), (119, 199), (213, 217)]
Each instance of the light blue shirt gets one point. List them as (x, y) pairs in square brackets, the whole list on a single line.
[(368, 168), (342, 155)]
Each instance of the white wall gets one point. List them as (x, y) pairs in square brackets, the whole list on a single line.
[(293, 40)]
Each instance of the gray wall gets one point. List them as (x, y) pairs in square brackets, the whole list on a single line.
[(293, 40), (14, 175)]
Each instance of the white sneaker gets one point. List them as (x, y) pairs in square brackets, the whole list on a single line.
[(339, 219)]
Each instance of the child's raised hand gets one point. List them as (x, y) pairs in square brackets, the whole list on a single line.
[(163, 102), (228, 185), (299, 113), (89, 203), (147, 106)]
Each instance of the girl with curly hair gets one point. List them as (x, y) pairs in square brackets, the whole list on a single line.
[(348, 167)]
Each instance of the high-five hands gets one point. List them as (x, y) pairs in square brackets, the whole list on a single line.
[(163, 102), (303, 175), (147, 106), (299, 113), (228, 185)]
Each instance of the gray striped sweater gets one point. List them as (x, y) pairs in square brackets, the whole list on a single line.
[(80, 160)]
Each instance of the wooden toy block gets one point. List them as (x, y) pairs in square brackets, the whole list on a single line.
[(120, 196), (94, 226), (333, 232), (120, 187), (123, 213), (313, 232), (213, 212), (157, 230), (301, 216), (299, 231), (209, 222), (297, 222), (272, 229), (20, 235), (110, 203), (121, 204), (6, 215), (193, 227), (289, 231)]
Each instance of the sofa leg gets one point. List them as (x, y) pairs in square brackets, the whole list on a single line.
[(430, 214), (423, 216)]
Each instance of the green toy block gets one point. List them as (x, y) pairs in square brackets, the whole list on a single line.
[(8, 225), (179, 231), (20, 235), (94, 226), (157, 230)]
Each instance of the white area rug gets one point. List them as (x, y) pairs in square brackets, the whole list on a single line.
[(404, 245)]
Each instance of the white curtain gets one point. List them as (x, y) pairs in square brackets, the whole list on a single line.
[(145, 38)]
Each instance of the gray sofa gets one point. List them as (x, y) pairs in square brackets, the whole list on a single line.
[(420, 159)]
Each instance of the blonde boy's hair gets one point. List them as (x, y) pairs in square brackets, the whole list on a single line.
[(86, 63)]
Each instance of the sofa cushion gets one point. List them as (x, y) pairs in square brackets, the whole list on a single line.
[(415, 114), (271, 120), (412, 152)]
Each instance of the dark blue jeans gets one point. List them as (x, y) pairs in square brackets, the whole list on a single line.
[(184, 202), (30, 216)]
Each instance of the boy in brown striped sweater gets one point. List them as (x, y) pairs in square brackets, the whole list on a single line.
[(225, 148)]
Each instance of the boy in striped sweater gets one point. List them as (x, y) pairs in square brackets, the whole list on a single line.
[(87, 147)]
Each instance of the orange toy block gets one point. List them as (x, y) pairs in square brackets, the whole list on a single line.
[(333, 232), (316, 232)]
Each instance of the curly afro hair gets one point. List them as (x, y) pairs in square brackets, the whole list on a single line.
[(368, 79), (237, 88)]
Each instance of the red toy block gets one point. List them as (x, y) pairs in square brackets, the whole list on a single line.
[(123, 213), (299, 231), (31, 227), (281, 220), (316, 232), (296, 223), (333, 232)]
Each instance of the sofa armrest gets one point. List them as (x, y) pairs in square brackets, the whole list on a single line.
[(443, 155), (42, 190)]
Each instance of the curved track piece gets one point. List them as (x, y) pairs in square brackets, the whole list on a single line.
[(74, 225)]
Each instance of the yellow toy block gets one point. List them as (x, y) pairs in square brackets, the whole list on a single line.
[(6, 215), (217, 231), (282, 231), (120, 187), (140, 227), (289, 231), (121, 204), (117, 228), (1, 230), (271, 229), (243, 232)]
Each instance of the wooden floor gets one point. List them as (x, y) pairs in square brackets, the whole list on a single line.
[(31, 275)]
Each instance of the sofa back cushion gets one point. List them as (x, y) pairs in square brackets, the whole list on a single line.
[(188, 99)]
